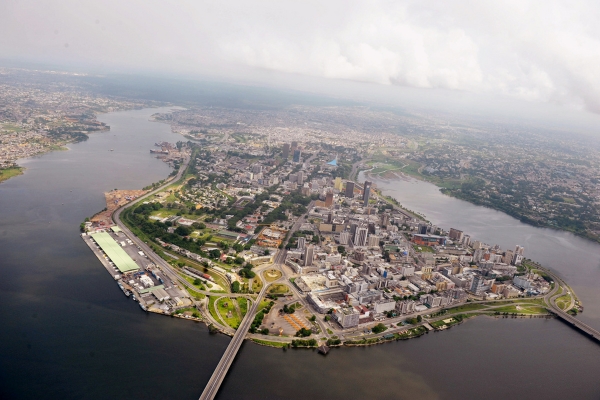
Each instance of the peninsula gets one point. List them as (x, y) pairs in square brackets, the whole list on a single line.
[(312, 257)]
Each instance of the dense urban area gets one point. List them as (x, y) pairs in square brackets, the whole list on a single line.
[(325, 259), (264, 231)]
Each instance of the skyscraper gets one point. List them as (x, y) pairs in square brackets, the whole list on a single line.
[(328, 199), (294, 145), (385, 219), (286, 151), (308, 255), (344, 237), (301, 243), (360, 237), (366, 193), (337, 183), (350, 189), (297, 155)]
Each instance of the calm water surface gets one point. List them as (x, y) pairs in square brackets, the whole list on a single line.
[(68, 332)]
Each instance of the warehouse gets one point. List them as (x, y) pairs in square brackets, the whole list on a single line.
[(114, 252)]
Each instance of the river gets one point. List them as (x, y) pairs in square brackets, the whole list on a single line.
[(68, 332)]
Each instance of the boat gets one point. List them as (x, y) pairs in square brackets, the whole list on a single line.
[(133, 297), (127, 292), (111, 150), (143, 307)]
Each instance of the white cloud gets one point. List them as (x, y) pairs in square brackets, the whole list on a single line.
[(543, 51)]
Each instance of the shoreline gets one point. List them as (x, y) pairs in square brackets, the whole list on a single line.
[(406, 177)]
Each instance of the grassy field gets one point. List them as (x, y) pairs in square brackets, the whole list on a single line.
[(263, 303), (269, 343), (423, 249), (228, 312), (279, 289), (529, 310), (467, 307), (211, 308), (243, 304), (257, 284), (272, 275), (10, 173), (563, 301)]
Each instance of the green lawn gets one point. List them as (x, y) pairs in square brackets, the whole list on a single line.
[(563, 301), (10, 173), (467, 307), (243, 304), (228, 312), (272, 275), (524, 309), (211, 308), (269, 343), (279, 289)]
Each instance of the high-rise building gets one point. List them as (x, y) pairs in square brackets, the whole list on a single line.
[(455, 235), (308, 255), (520, 250), (257, 169), (385, 219), (366, 193), (373, 241), (353, 228), (359, 255), (286, 151), (329, 199), (297, 155), (294, 146), (422, 229), (300, 177), (507, 258), (360, 237), (301, 243), (337, 183), (478, 285), (350, 189), (344, 237)]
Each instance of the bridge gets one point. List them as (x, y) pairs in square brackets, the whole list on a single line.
[(560, 313), (215, 381), (575, 323)]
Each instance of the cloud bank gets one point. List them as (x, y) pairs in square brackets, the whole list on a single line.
[(540, 51)]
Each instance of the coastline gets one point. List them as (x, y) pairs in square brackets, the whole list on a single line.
[(390, 176), (11, 172)]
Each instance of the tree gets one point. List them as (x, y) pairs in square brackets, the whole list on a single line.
[(379, 328), (267, 252), (197, 282), (235, 287), (303, 332), (182, 230)]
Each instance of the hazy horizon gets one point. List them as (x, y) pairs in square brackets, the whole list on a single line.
[(523, 60)]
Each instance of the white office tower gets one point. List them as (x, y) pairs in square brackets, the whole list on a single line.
[(360, 237), (344, 238), (301, 243), (308, 256)]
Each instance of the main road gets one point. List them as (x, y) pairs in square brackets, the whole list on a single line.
[(212, 387)]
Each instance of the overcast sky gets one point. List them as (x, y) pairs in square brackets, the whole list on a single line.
[(538, 51)]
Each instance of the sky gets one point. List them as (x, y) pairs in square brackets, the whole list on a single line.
[(540, 52)]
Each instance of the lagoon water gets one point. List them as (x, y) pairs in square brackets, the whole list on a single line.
[(68, 332)]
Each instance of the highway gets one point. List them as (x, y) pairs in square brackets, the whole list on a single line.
[(551, 297), (212, 387)]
